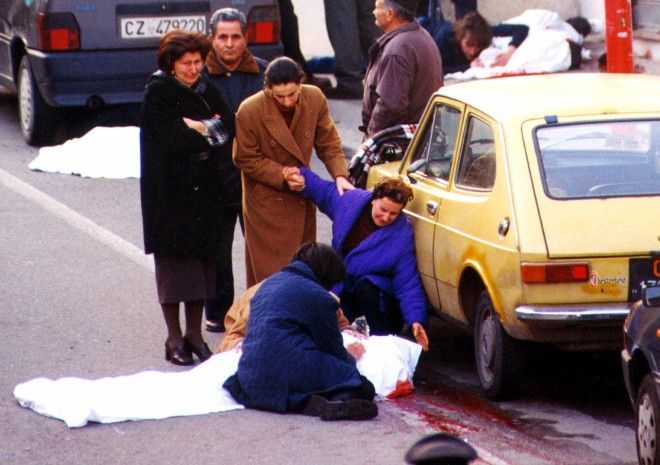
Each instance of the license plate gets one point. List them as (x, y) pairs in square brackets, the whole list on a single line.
[(146, 27), (643, 272)]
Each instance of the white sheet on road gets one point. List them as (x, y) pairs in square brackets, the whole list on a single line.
[(149, 395), (104, 152)]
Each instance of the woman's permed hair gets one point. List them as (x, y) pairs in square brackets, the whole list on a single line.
[(394, 189), (176, 43)]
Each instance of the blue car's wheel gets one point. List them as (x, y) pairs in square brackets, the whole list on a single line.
[(647, 414), (38, 120)]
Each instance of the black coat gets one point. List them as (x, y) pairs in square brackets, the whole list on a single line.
[(181, 181)]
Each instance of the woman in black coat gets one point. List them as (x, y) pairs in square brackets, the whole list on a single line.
[(183, 133)]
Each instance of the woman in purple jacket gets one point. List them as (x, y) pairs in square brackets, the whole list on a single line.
[(376, 243)]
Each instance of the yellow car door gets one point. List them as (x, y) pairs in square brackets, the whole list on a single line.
[(427, 167)]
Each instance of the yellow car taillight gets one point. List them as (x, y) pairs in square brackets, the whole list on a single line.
[(545, 273)]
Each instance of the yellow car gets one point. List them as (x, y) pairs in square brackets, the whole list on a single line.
[(536, 210)]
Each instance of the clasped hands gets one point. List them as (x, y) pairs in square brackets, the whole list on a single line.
[(296, 181)]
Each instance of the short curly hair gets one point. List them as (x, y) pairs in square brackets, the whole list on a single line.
[(176, 43), (394, 189), (476, 26)]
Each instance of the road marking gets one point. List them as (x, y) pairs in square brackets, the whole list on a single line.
[(77, 220), (489, 458)]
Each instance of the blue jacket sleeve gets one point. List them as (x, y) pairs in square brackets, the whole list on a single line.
[(323, 193), (408, 285), (517, 32)]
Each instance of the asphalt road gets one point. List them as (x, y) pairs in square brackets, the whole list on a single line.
[(77, 298)]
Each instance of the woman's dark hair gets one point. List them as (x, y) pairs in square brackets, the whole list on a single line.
[(394, 189), (477, 27), (327, 265), (177, 42), (581, 25), (282, 70), (576, 54)]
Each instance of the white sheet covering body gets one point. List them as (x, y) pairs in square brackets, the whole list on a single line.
[(101, 153), (148, 395)]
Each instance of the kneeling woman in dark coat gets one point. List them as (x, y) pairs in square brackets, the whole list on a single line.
[(293, 357), (183, 133)]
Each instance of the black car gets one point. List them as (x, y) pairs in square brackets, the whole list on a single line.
[(66, 53), (641, 370)]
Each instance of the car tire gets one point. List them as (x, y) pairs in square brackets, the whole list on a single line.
[(38, 120), (647, 415), (498, 356)]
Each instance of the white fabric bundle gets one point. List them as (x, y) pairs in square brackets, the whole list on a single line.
[(149, 395), (101, 153)]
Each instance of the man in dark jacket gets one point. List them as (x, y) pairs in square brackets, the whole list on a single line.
[(237, 74), (404, 68), (293, 356)]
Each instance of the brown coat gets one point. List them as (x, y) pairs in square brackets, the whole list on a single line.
[(404, 70), (237, 318), (278, 221)]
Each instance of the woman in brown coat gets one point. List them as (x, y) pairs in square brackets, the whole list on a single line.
[(275, 129)]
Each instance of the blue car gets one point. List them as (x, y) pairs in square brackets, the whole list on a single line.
[(641, 371), (59, 54)]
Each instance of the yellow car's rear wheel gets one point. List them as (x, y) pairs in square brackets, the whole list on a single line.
[(498, 356)]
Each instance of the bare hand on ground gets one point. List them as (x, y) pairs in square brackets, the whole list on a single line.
[(420, 336)]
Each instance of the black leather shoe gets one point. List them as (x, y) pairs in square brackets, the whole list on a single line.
[(215, 326), (178, 355), (202, 351), (352, 409)]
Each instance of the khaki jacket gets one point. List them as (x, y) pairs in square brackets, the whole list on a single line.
[(237, 318), (278, 221)]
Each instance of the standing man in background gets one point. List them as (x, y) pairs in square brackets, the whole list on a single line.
[(352, 32), (404, 68), (237, 74)]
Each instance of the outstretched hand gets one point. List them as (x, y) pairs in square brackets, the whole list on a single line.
[(343, 185), (293, 178), (420, 336)]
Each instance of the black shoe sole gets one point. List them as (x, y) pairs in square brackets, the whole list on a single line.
[(352, 409), (214, 327)]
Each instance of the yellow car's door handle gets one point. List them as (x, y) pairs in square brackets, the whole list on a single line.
[(432, 207)]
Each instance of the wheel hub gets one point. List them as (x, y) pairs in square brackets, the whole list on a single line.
[(487, 342), (25, 103), (646, 430)]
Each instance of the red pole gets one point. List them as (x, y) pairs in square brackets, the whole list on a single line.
[(618, 36)]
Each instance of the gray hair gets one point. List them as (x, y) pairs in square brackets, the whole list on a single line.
[(399, 10), (227, 15)]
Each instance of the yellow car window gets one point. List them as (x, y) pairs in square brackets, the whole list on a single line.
[(600, 159)]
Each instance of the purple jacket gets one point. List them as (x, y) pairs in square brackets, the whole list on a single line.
[(387, 257), (404, 70)]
